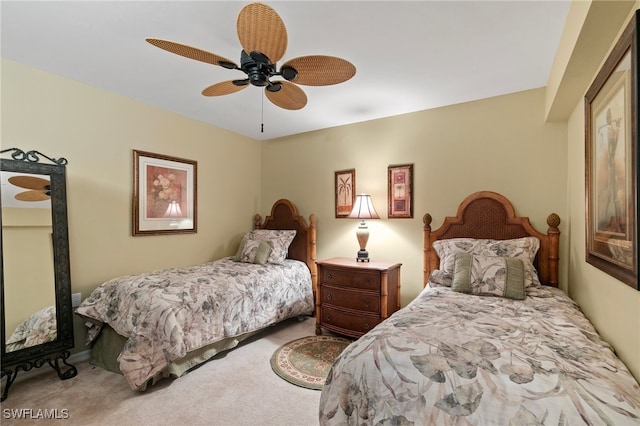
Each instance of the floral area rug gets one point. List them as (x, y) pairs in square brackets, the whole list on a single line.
[(306, 362)]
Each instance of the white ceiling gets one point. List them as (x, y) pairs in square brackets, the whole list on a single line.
[(409, 56), (8, 192)]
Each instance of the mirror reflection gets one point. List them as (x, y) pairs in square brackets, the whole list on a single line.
[(28, 260)]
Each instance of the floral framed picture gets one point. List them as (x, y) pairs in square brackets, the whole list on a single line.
[(345, 190), (164, 194), (400, 191), (611, 123)]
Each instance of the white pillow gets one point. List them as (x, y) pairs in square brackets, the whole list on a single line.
[(280, 240), (524, 249), (253, 251)]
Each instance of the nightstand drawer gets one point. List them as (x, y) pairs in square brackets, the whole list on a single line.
[(348, 321), (368, 280), (345, 298)]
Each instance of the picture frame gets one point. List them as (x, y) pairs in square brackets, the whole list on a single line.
[(164, 194), (400, 191), (345, 190), (611, 166)]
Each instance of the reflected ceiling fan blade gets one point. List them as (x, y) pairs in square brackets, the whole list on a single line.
[(261, 29), (29, 182), (289, 96), (32, 196), (319, 70), (225, 88), (192, 53)]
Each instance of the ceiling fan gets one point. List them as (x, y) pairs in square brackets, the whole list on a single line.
[(263, 37), (39, 189)]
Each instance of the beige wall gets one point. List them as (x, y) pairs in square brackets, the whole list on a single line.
[(613, 307), (97, 131), (499, 144)]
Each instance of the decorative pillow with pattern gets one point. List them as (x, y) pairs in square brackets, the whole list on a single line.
[(253, 251), (280, 241), (524, 249), (488, 276), (440, 278)]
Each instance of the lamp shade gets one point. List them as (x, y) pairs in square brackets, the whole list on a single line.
[(363, 208)]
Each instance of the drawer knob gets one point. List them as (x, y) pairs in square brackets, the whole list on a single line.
[(366, 304), (366, 325), (329, 296), (329, 318), (329, 276)]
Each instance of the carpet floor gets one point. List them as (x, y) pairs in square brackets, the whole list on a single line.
[(235, 388)]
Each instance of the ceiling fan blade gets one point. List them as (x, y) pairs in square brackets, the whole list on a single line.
[(32, 196), (289, 96), (192, 53), (29, 182), (224, 88), (320, 70), (261, 29)]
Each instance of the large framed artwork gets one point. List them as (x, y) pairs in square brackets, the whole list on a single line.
[(164, 194), (345, 190), (611, 120), (400, 191)]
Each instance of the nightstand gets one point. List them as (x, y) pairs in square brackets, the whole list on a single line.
[(353, 297)]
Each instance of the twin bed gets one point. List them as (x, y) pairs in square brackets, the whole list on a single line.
[(489, 341), (160, 324)]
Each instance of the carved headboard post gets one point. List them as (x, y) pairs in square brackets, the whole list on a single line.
[(427, 265), (311, 253), (553, 220)]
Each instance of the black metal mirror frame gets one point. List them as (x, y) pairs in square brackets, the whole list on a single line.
[(51, 352)]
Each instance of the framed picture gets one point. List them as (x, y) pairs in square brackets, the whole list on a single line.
[(400, 192), (611, 122), (345, 189), (164, 194)]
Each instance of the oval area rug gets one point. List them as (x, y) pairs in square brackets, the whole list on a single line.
[(306, 362)]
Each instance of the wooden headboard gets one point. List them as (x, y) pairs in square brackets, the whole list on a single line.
[(489, 215), (284, 215)]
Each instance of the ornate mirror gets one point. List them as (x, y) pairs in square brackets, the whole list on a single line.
[(35, 290)]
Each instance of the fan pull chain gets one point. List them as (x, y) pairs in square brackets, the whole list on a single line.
[(262, 115)]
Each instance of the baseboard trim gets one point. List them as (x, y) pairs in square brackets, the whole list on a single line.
[(76, 358)]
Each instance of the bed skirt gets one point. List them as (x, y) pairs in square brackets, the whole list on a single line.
[(108, 345)]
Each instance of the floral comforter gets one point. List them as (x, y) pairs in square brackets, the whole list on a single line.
[(168, 313), (451, 358), (39, 328)]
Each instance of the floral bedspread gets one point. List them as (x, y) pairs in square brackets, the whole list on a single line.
[(451, 358), (166, 314), (37, 329)]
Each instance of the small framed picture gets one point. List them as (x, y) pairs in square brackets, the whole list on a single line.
[(345, 189), (164, 194), (400, 191)]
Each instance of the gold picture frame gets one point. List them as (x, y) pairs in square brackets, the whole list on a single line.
[(345, 191), (400, 191), (611, 120), (164, 194)]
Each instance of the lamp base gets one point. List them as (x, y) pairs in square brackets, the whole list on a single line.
[(363, 256)]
